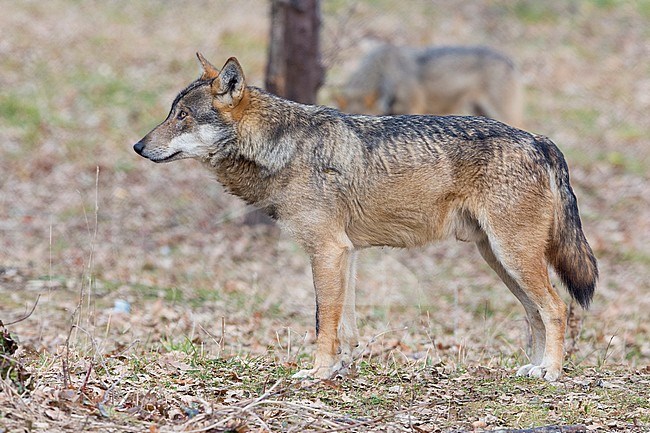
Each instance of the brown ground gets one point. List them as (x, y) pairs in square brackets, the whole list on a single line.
[(85, 222)]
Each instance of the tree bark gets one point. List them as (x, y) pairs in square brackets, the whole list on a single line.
[(294, 69)]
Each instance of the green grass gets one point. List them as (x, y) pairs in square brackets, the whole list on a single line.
[(23, 114), (532, 12), (173, 374), (19, 111), (105, 102), (622, 162), (185, 345), (153, 369), (148, 292), (634, 256), (582, 118), (384, 388), (605, 4), (643, 6)]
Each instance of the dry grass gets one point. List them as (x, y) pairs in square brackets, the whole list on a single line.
[(221, 314)]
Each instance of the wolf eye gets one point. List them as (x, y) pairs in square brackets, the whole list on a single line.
[(181, 115)]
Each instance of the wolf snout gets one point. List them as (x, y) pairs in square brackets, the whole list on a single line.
[(139, 147)]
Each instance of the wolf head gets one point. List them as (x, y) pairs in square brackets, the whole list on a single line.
[(201, 121)]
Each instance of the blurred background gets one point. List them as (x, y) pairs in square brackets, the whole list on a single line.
[(85, 222)]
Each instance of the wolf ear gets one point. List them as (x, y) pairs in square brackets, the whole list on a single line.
[(209, 71), (228, 88)]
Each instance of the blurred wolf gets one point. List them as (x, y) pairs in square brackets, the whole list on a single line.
[(437, 80), (340, 183)]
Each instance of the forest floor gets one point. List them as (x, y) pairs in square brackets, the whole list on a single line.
[(157, 310)]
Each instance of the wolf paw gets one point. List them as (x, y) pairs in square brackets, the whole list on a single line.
[(552, 374), (312, 373), (539, 372), (341, 368), (338, 369), (523, 371)]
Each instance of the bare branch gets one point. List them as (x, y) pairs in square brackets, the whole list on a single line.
[(23, 317)]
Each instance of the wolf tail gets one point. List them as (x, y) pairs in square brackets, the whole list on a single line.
[(568, 251)]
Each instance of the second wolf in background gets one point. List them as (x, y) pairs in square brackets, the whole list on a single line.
[(437, 80)]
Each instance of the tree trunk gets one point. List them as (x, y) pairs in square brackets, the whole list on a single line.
[(294, 69)]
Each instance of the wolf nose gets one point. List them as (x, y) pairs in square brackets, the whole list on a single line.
[(138, 147)]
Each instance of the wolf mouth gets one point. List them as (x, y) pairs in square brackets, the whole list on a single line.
[(168, 158)]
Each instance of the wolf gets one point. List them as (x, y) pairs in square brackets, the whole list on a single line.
[(340, 183), (435, 80)]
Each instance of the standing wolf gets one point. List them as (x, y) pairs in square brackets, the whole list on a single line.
[(437, 80), (340, 183)]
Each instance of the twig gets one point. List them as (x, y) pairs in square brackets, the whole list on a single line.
[(301, 407), (328, 421), (126, 349), (8, 390), (222, 342), (211, 335), (85, 382), (548, 429), (350, 425), (254, 415), (238, 409), (373, 339), (113, 385), (91, 261), (609, 344), (288, 343), (64, 361), (87, 273), (98, 354), (25, 316)]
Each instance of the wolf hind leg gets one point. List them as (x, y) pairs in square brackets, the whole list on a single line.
[(538, 331), (523, 261)]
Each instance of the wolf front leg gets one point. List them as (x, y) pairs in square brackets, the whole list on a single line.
[(331, 264), (348, 331)]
